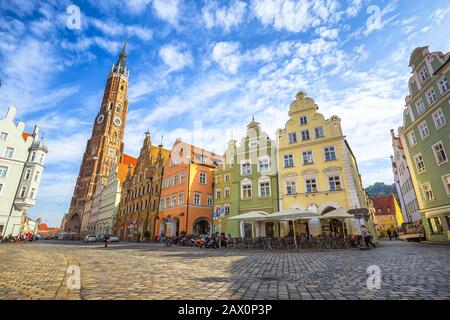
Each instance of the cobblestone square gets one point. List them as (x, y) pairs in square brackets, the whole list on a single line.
[(151, 271)]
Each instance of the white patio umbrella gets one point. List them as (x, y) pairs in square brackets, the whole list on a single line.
[(250, 216), (292, 214), (339, 213)]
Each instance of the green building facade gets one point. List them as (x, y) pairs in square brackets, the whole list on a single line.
[(247, 181), (425, 136)]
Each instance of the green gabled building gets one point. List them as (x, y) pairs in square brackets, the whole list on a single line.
[(247, 181), (425, 136)]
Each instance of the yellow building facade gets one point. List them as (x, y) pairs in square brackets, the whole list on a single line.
[(317, 170)]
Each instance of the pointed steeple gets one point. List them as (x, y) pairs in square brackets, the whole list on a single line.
[(121, 65)]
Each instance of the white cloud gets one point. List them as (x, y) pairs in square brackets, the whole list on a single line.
[(439, 15), (115, 29), (167, 10), (227, 55), (226, 17), (295, 15), (173, 57)]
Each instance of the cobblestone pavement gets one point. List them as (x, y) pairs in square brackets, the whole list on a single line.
[(149, 271)]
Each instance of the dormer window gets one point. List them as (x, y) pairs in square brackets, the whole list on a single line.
[(303, 120), (424, 75)]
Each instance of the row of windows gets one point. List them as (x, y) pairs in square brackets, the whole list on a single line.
[(226, 178), (329, 153), (174, 200), (264, 190), (406, 187), (439, 121), (263, 166), (305, 135), (439, 154), (412, 206), (226, 192), (428, 192), (311, 185), (431, 95)]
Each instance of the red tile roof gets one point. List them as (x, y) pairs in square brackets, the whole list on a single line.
[(126, 159), (381, 205), (26, 135), (43, 227)]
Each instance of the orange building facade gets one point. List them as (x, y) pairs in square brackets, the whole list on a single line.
[(186, 203)]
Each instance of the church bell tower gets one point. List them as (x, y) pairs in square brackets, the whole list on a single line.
[(106, 142)]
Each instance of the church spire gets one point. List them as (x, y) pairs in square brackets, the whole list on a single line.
[(121, 65)]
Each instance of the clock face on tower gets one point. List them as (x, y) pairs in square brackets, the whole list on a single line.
[(100, 119), (117, 122)]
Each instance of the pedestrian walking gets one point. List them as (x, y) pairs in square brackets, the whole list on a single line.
[(105, 239), (367, 236), (395, 234), (389, 233)]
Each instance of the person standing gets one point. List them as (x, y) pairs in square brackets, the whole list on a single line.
[(367, 236), (389, 233), (105, 239), (395, 234)]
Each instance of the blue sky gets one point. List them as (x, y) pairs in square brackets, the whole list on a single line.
[(210, 65)]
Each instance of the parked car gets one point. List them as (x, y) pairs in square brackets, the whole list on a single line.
[(113, 239), (90, 239)]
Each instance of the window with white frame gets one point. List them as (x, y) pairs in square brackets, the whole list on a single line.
[(446, 180), (41, 160), (203, 177), (439, 153), (264, 165), (217, 179), (305, 135), (33, 156), (209, 201), (330, 153), (23, 192), (246, 168), (3, 136), (291, 187), (303, 120), (3, 171), (423, 130), (163, 185), (288, 160), (307, 157), (27, 174), (227, 209), (180, 198), (168, 202), (334, 183), (319, 132), (227, 178), (174, 200), (424, 75), (427, 192), (439, 119), (218, 193), (1, 188), (292, 137), (226, 192), (443, 85), (420, 164), (182, 175), (9, 152), (175, 179), (431, 96), (412, 138), (197, 199), (161, 203), (420, 106), (311, 185), (246, 190), (169, 181), (264, 188)]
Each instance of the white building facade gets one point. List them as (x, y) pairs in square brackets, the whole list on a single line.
[(403, 182), (22, 159), (109, 203)]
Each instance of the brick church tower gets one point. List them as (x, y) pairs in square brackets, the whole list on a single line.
[(105, 146)]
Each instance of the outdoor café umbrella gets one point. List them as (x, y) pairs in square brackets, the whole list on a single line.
[(292, 214), (250, 216), (339, 213)]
